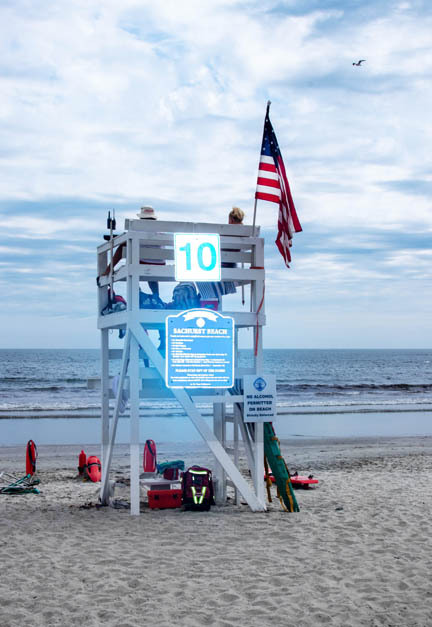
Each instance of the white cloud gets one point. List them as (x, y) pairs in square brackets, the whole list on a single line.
[(419, 261), (11, 250), (126, 103), (45, 228)]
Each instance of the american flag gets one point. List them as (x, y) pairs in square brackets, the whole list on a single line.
[(273, 186)]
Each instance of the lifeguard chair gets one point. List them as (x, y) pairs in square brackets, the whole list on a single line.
[(242, 257)]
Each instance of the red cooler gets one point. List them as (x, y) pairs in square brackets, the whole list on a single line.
[(164, 499)]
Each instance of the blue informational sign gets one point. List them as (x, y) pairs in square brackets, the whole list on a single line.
[(199, 350)]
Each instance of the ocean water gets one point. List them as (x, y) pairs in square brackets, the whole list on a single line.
[(330, 392)]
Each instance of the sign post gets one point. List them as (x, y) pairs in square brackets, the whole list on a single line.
[(199, 350)]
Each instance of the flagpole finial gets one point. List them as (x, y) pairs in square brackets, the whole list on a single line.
[(268, 106)]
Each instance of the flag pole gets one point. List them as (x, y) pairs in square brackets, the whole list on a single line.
[(254, 218), (255, 205)]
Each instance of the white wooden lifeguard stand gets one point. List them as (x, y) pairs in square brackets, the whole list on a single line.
[(148, 239)]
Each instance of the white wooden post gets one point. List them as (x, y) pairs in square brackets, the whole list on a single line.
[(247, 444), (219, 473), (134, 378), (104, 497), (236, 408), (134, 427), (258, 365), (101, 302), (259, 462), (104, 394), (236, 420)]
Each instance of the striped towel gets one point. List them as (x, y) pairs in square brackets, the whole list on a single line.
[(210, 289)]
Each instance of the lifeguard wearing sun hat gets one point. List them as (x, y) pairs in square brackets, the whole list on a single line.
[(147, 213)]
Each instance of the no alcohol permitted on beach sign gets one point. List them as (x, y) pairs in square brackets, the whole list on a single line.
[(259, 397), (199, 350)]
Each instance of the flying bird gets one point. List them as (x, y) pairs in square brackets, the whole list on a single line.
[(360, 62)]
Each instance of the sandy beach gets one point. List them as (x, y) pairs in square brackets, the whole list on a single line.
[(358, 553)]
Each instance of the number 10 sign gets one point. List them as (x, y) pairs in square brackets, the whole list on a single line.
[(197, 257)]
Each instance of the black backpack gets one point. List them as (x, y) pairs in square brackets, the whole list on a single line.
[(197, 489)]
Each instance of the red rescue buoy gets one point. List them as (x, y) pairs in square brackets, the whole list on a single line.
[(82, 461), (149, 458), (302, 481), (31, 456), (93, 469)]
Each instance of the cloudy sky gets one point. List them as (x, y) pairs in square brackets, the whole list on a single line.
[(117, 104)]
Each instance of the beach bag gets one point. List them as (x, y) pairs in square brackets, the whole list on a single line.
[(150, 301), (171, 470), (149, 457), (185, 296), (115, 303), (197, 489), (31, 456), (172, 474)]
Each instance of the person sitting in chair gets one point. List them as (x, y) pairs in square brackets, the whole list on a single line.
[(235, 216), (146, 213)]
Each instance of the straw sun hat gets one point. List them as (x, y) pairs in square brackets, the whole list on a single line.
[(147, 213)]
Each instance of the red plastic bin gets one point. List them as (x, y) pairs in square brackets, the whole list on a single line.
[(210, 303), (164, 499)]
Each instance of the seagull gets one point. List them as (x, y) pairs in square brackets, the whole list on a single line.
[(360, 62)]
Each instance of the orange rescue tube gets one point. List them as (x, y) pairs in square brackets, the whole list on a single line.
[(82, 461), (149, 458), (31, 456), (94, 469)]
